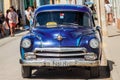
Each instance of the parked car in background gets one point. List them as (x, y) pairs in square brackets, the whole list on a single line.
[(62, 36)]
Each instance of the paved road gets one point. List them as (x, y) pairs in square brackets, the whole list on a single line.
[(10, 67)]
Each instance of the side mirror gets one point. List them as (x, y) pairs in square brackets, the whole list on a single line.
[(98, 28)]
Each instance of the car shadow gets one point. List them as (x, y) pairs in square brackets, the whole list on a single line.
[(115, 35), (19, 31), (69, 73), (110, 64)]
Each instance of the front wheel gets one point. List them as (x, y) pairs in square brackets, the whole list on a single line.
[(94, 72), (26, 71)]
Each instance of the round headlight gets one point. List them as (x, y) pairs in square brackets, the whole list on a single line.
[(94, 43), (26, 43)]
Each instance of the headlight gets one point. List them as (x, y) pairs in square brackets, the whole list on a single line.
[(26, 43), (94, 43)]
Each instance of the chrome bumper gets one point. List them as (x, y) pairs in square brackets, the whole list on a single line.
[(59, 63)]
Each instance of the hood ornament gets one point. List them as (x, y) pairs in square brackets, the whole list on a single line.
[(59, 37)]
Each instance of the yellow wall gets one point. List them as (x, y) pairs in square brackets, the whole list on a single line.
[(7, 4)]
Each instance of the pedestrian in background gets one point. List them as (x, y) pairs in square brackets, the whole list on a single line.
[(2, 18), (13, 20), (26, 13), (108, 9), (30, 14), (7, 21), (19, 18), (93, 11)]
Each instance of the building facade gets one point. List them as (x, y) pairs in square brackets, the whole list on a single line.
[(1, 5), (44, 2), (23, 4)]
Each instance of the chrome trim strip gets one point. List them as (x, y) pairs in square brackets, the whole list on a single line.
[(59, 55), (60, 49)]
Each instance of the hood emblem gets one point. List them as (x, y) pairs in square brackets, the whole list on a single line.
[(59, 37)]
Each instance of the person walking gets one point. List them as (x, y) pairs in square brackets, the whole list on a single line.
[(2, 18), (108, 9), (13, 20)]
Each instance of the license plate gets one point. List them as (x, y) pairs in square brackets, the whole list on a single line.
[(60, 63)]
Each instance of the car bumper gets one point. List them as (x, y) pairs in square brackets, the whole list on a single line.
[(59, 63)]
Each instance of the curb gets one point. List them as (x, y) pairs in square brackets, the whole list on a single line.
[(8, 39)]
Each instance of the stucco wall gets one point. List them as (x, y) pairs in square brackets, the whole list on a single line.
[(6, 4)]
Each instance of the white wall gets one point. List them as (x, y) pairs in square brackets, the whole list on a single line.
[(63, 2), (37, 3), (80, 2)]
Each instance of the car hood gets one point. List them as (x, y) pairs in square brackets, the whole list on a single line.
[(61, 36)]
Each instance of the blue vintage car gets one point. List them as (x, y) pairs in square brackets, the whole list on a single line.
[(61, 36)]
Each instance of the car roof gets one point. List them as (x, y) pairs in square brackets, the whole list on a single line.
[(63, 7)]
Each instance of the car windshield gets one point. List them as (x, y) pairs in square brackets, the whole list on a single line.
[(63, 18)]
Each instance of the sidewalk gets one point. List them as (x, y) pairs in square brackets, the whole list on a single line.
[(112, 50), (113, 30), (17, 30), (8, 39)]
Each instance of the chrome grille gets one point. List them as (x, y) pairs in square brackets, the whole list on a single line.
[(60, 52)]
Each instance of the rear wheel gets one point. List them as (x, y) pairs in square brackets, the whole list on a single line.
[(26, 71), (94, 72)]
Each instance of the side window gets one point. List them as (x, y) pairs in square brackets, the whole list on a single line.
[(86, 20)]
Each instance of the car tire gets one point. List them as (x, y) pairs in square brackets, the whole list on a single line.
[(94, 72), (26, 71)]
